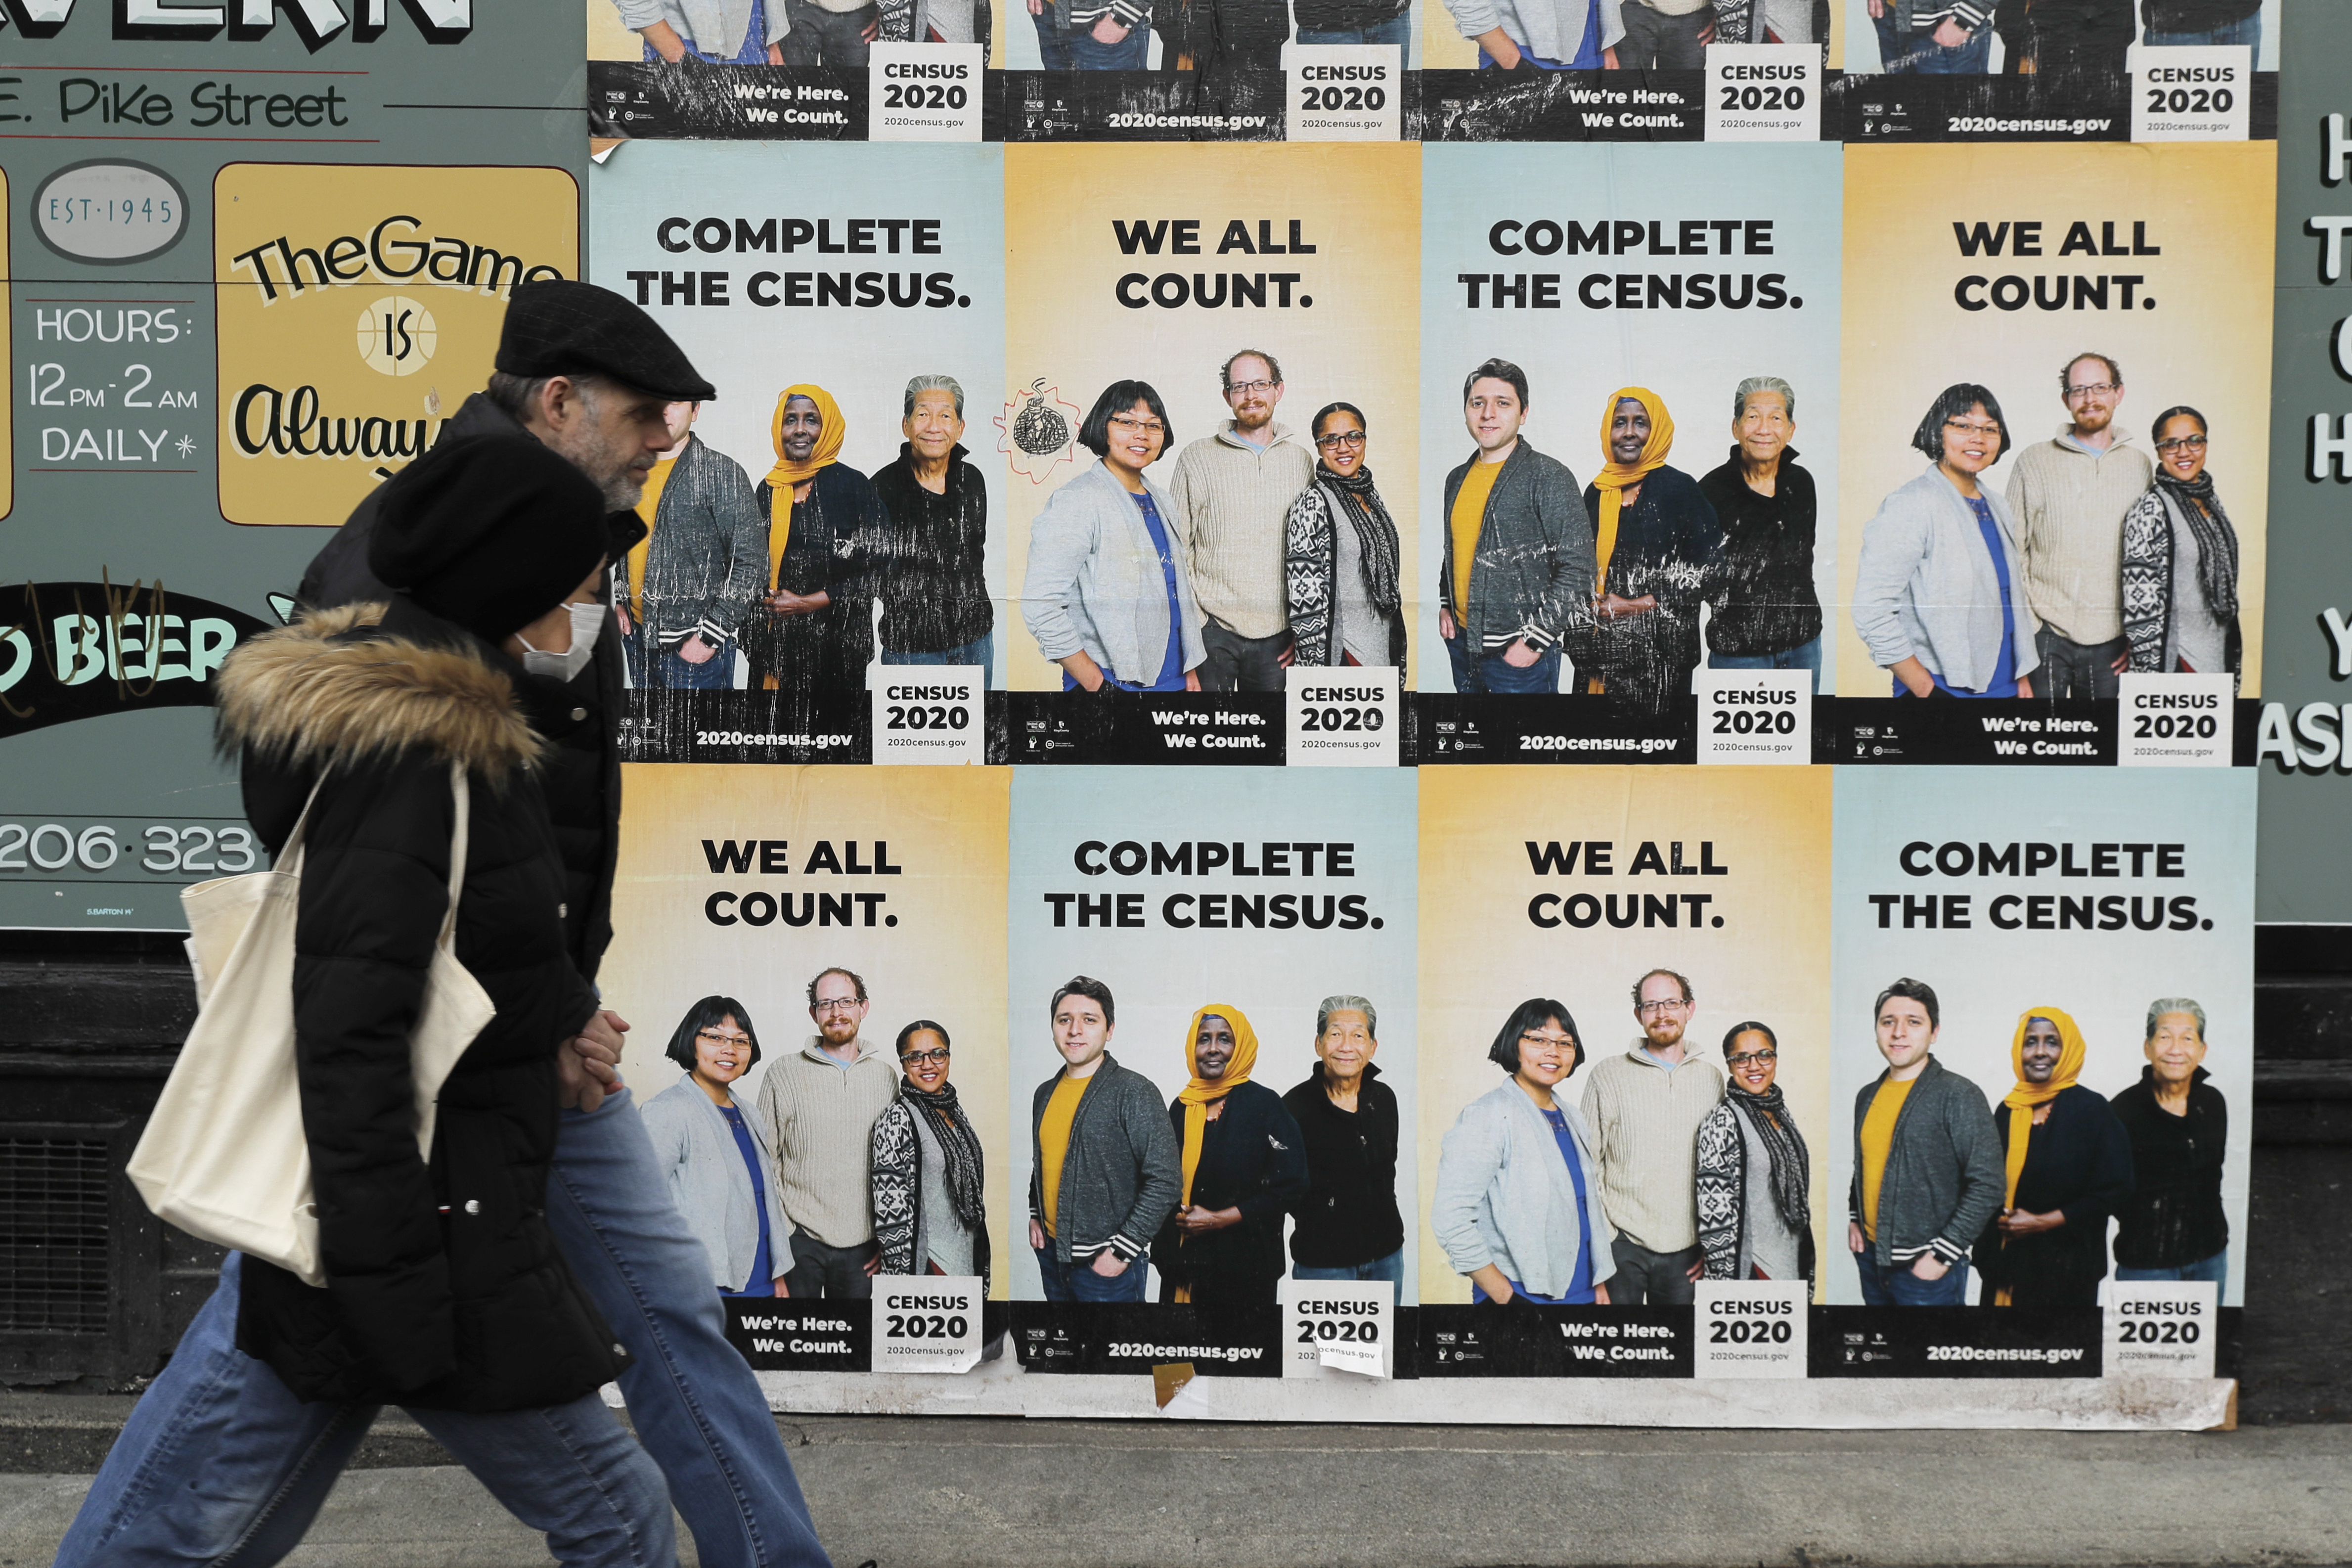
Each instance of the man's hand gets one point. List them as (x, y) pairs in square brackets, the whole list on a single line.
[(1107, 31), (1445, 627), (1877, 8), (1951, 35), (1855, 1240), (1520, 654), (665, 42), (1117, 1265), (1930, 1268), (1036, 1236), (578, 1087), (694, 650)]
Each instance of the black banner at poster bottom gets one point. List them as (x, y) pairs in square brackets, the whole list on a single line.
[(1954, 1341), (1143, 106), (1524, 1339), (1532, 105), (1194, 727), (666, 726), (767, 103), (802, 1336), (1448, 728), (2046, 106), (1960, 732), (1133, 1337)]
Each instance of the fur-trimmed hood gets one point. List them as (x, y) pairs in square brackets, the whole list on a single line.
[(340, 686)]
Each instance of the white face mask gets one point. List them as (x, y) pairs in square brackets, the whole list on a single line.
[(587, 620)]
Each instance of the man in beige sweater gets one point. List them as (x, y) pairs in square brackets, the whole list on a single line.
[(1232, 492), (1645, 1109), (820, 1105), (2070, 495)]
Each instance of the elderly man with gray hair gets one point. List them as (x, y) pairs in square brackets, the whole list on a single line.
[(1349, 1226), (935, 602), (1764, 611)]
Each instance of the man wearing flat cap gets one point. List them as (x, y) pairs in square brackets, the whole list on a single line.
[(589, 375)]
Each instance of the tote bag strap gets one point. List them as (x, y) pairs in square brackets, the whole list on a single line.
[(289, 854), (464, 799)]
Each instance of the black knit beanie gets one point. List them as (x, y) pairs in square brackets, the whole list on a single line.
[(489, 531)]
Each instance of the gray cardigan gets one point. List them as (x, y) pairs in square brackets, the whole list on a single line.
[(709, 1185), (1945, 1175), (1504, 1195), (714, 26), (1925, 587), (1094, 582), (1534, 567), (1123, 1171), (709, 555)]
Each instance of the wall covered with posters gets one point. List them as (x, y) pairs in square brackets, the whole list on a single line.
[(1536, 614)]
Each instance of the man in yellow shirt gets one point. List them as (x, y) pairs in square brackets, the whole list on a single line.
[(1518, 574), (1104, 1170), (1928, 1171)]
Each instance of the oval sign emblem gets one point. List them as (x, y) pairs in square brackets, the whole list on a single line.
[(109, 212)]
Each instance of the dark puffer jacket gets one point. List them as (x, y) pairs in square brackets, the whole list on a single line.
[(444, 1286)]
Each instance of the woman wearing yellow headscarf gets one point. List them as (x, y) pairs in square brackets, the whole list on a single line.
[(1244, 1164), (1656, 541), (812, 630), (2069, 1166)]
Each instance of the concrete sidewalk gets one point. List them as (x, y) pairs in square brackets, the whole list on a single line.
[(954, 1493)]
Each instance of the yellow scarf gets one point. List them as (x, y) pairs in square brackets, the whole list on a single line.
[(2027, 1098), (1615, 476), (649, 508), (787, 474)]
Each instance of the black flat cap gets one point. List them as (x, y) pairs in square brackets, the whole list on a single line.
[(559, 327), (490, 531)]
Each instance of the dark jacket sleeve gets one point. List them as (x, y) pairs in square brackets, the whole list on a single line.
[(374, 889), (2111, 1176), (1286, 1177), (1159, 1162), (1698, 545), (1983, 1170), (1566, 613)]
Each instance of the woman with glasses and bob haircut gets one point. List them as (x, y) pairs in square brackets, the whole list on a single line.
[(1939, 598), (1108, 594), (931, 1213), (2181, 560), (1518, 1206), (1755, 1177), (1341, 581), (722, 1174)]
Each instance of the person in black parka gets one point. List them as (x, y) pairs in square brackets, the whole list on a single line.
[(445, 1292)]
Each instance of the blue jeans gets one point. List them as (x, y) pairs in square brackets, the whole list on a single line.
[(1806, 655), (1397, 30), (672, 673), (1493, 672), (1390, 1269), (1076, 1281), (218, 1451), (1898, 1286), (2215, 1269), (227, 1442), (1078, 50), (980, 650), (2246, 30), (1919, 53)]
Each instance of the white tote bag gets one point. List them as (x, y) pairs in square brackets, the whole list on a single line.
[(224, 1155)]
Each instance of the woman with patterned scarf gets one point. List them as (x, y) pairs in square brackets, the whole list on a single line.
[(931, 1213), (1342, 554), (1754, 1178), (813, 630), (2069, 1166), (1244, 1164), (2181, 560)]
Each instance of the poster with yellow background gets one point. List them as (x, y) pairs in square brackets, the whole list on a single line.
[(747, 882), (1997, 265), (1157, 264), (357, 306), (1570, 884)]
